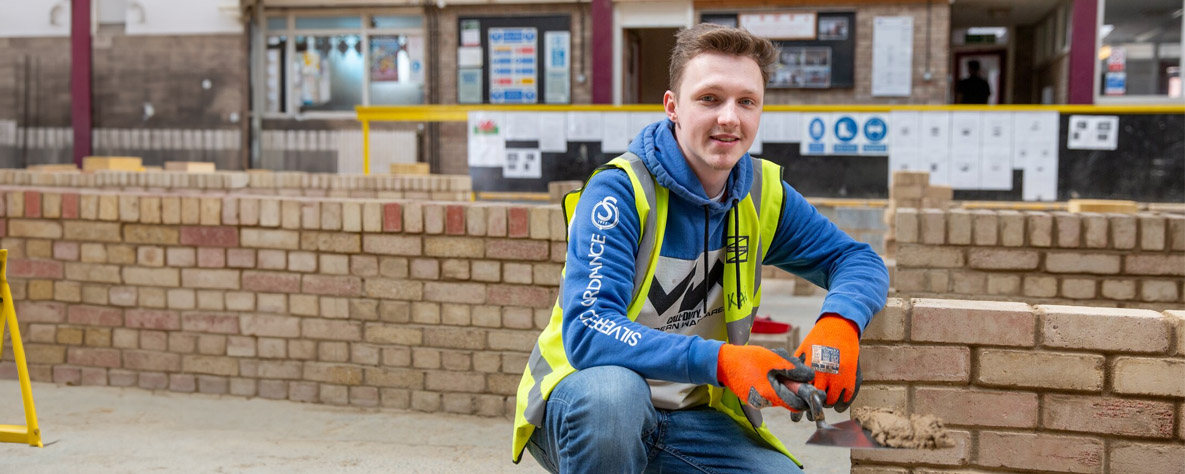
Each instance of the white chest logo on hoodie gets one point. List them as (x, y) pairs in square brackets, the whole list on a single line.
[(604, 214)]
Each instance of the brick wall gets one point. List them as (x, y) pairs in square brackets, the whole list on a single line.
[(922, 91), (1094, 259), (429, 306), (1044, 388), (434, 187)]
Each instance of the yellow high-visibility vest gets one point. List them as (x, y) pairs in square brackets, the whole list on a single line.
[(758, 216)]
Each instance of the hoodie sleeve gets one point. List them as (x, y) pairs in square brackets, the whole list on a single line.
[(810, 246), (598, 286)]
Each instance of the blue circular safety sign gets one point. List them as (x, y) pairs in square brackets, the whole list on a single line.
[(817, 129), (845, 129), (875, 129)]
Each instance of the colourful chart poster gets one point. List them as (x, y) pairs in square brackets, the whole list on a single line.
[(384, 58), (514, 70)]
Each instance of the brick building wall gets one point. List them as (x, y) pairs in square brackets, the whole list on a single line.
[(1031, 388), (129, 72), (1123, 260), (933, 91)]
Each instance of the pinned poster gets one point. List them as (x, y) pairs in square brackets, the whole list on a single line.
[(615, 132), (523, 163), (557, 65), (553, 132), (781, 127), (815, 138), (995, 169), (904, 134), (935, 145), (584, 126), (1090, 132), (964, 173), (874, 130), (965, 150), (847, 134), (1039, 182), (514, 72), (487, 147), (521, 126)]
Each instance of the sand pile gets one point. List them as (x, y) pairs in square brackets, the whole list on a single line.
[(896, 430)]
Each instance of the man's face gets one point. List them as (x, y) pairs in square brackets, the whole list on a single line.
[(717, 110)]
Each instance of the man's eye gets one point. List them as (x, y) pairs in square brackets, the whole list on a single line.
[(707, 98), (748, 102)]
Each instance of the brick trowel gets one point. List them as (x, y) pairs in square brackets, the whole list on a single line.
[(846, 434)]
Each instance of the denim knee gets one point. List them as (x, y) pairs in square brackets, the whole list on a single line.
[(605, 407), (604, 389)]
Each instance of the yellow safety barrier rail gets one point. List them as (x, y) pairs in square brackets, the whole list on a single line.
[(29, 432), (460, 113)]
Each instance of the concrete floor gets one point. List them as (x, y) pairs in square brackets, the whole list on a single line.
[(106, 429)]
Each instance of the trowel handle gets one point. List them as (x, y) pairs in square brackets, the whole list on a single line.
[(813, 396)]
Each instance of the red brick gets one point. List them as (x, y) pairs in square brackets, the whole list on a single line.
[(516, 295), (392, 217), (93, 357), (210, 236), (1040, 370), (23, 268), (956, 456), (210, 323), (240, 258), (1043, 452), (331, 285), (32, 204), (1146, 458), (208, 257), (454, 220), (271, 282), (184, 383), (1104, 329), (1110, 416), (94, 316), (978, 408), (210, 365), (67, 375), (518, 222), (505, 249), (70, 206), (916, 363), (973, 322), (155, 380), (153, 319)]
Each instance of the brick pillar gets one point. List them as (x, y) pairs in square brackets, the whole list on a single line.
[(80, 77), (1082, 51)]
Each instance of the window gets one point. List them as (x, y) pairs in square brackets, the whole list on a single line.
[(1140, 49), (334, 63)]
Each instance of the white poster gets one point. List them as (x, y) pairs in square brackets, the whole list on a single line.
[(781, 127), (615, 132), (995, 169), (514, 74), (966, 147), (584, 126), (521, 126), (523, 163), (964, 173), (1040, 180), (469, 56), (904, 134), (487, 147), (874, 130), (557, 65), (415, 56), (935, 145), (847, 136), (469, 86), (1093, 132), (1035, 143), (892, 56), (815, 134), (776, 25), (553, 132)]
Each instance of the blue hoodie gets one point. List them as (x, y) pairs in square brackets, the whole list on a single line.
[(681, 344)]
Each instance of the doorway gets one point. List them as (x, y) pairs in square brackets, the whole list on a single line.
[(645, 67), (991, 69)]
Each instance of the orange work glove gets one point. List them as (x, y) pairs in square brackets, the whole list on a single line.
[(755, 375), (832, 349)]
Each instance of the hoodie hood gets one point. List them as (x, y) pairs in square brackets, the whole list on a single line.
[(659, 150)]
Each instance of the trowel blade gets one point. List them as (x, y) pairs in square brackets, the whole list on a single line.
[(847, 434)]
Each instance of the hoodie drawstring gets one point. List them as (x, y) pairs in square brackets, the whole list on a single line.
[(704, 300)]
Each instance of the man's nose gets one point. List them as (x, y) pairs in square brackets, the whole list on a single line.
[(728, 116)]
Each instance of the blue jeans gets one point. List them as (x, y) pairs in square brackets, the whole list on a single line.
[(600, 420)]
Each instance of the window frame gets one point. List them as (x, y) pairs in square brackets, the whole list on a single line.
[(290, 32), (1100, 98)]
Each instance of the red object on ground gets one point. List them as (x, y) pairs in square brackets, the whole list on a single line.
[(765, 325)]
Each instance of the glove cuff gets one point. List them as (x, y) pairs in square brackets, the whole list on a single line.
[(833, 324)]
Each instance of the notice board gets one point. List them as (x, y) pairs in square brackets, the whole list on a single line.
[(514, 60)]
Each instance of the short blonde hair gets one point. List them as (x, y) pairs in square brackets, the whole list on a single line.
[(708, 37)]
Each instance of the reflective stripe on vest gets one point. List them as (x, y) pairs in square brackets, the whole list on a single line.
[(756, 217)]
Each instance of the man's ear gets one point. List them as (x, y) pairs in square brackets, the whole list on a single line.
[(668, 105)]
